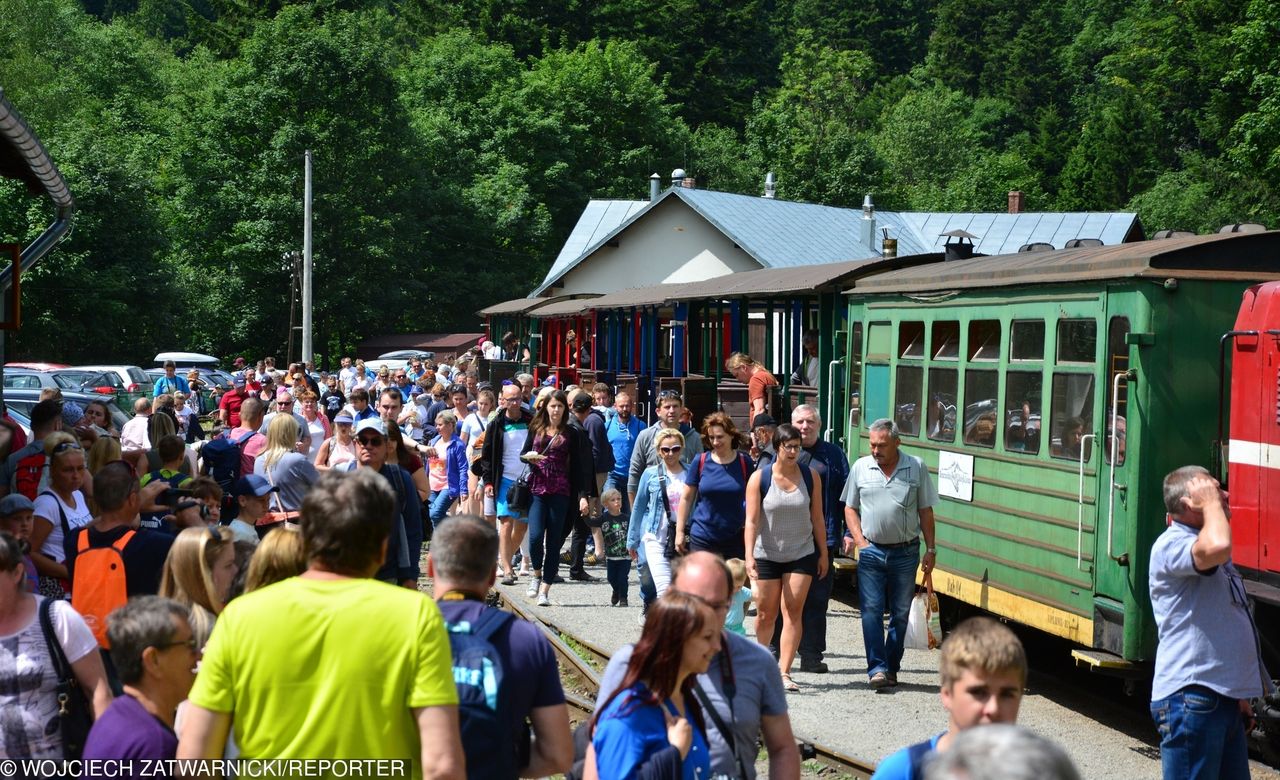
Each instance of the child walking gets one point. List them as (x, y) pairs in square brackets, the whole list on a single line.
[(613, 526), (740, 599)]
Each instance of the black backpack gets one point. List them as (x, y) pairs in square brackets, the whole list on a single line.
[(222, 462), (483, 705)]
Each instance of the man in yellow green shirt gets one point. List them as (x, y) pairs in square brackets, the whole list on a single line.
[(331, 664)]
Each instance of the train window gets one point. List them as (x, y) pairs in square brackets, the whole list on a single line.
[(984, 340), (853, 361), (1026, 340), (1071, 416), (906, 401), (941, 417), (1077, 341), (980, 407), (1117, 363), (1023, 391), (911, 339), (946, 340)]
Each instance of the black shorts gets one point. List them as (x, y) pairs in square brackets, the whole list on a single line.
[(773, 570)]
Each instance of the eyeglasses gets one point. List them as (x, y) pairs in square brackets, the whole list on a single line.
[(190, 643), (670, 450), (790, 447), (370, 441)]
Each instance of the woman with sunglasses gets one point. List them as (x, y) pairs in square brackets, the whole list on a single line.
[(560, 469), (786, 544), (198, 573), (657, 501), (32, 704), (60, 509), (713, 511), (652, 726)]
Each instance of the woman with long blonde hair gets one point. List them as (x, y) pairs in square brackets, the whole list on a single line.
[(280, 555), (286, 469), (198, 573)]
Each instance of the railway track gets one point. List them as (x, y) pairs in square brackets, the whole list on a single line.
[(582, 663)]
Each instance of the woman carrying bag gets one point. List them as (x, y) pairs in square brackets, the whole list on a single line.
[(651, 535)]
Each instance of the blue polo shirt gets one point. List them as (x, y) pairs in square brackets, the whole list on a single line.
[(1202, 619), (890, 507)]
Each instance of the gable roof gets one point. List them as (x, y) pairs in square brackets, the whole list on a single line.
[(789, 234)]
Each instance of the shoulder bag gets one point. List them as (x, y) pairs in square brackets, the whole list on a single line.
[(281, 515), (73, 706), (519, 495), (669, 547)]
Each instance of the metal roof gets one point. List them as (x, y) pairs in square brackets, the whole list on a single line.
[(768, 281), (525, 305), (619, 299), (1218, 256), (790, 234)]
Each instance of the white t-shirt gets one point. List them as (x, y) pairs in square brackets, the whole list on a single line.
[(78, 516), (29, 707), (675, 489), (317, 438), (472, 427)]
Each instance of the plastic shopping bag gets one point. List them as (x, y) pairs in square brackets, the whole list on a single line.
[(918, 623)]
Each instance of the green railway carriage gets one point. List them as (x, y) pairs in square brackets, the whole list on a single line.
[(1008, 375)]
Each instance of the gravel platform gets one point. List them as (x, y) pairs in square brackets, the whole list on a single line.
[(840, 711)]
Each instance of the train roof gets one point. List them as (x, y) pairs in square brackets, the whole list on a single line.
[(1243, 256), (525, 305)]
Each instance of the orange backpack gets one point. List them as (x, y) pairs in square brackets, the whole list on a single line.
[(99, 585)]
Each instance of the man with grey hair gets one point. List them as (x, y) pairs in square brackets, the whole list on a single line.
[(526, 391), (462, 568), (1208, 665), (889, 499), (155, 656), (1002, 752)]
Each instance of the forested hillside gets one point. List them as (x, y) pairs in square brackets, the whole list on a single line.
[(456, 143)]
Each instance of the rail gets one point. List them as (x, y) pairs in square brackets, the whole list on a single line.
[(579, 659)]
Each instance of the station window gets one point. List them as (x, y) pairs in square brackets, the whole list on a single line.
[(946, 340), (1026, 340), (1117, 363), (1071, 416), (981, 409), (941, 416), (911, 339), (1023, 394), (1077, 341), (984, 340), (906, 401)]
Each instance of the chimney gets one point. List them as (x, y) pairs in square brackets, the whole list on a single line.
[(889, 247), (1015, 201), (769, 185), (867, 226), (655, 186), (677, 177), (689, 183)]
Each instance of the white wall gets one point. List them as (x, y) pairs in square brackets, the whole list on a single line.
[(670, 243)]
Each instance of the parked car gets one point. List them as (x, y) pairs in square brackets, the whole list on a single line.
[(83, 380), (22, 399), (134, 384), (187, 360), (407, 354), (37, 366)]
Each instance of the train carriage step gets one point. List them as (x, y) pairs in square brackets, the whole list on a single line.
[(840, 563), (1107, 663)]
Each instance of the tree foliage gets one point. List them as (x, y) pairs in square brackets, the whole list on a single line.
[(456, 142)]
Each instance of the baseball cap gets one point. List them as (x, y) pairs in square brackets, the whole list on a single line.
[(762, 420), (239, 361), (254, 485), (344, 419), (372, 424), (238, 380), (14, 503), (72, 413), (581, 402)]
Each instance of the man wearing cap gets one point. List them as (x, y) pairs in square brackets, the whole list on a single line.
[(762, 428), (230, 403), (170, 382), (404, 546), (253, 494)]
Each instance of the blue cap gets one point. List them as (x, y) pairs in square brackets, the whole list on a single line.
[(14, 503), (253, 485)]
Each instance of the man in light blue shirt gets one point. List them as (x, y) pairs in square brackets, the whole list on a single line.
[(170, 382), (889, 501), (1208, 664)]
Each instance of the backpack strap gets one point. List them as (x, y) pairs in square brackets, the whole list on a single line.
[(766, 480), (61, 666), (62, 514), (119, 544), (490, 622), (82, 541), (742, 461)]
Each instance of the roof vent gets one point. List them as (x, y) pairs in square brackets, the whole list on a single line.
[(1078, 243), (1038, 246), (868, 208), (1243, 227), (1015, 201), (655, 186), (959, 245), (677, 177), (1159, 234), (867, 227), (769, 184)]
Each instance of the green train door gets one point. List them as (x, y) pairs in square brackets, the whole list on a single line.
[(1117, 491)]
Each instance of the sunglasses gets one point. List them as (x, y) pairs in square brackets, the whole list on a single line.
[(670, 450), (67, 445), (370, 441), (669, 394)]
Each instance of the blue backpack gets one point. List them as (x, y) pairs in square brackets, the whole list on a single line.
[(483, 706)]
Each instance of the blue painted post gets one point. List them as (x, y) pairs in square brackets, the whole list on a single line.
[(735, 326)]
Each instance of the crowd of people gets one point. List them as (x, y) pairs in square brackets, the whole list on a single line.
[(283, 548)]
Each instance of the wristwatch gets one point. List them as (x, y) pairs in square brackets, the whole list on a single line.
[(933, 550)]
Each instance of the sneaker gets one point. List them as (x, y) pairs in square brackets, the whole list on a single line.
[(509, 580), (533, 589), (879, 681), (566, 557), (582, 576), (813, 667), (544, 600), (613, 599), (591, 560), (622, 603)]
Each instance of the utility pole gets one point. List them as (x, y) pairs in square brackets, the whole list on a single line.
[(307, 356)]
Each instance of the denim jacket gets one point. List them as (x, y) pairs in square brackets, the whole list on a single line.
[(647, 514)]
